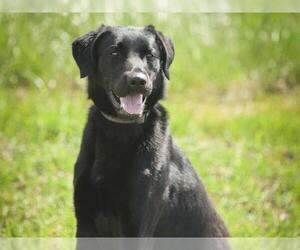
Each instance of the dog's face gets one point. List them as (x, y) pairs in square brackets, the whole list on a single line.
[(128, 64)]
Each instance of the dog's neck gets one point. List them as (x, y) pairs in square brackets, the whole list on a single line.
[(127, 133), (117, 131), (139, 120)]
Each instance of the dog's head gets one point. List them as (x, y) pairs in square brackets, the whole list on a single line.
[(127, 67)]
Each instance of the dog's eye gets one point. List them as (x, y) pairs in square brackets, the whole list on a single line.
[(150, 56), (115, 53)]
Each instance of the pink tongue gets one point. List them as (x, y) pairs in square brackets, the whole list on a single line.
[(132, 104)]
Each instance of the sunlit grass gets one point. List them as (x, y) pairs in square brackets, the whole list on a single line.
[(245, 149)]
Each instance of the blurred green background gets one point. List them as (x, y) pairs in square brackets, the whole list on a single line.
[(234, 105)]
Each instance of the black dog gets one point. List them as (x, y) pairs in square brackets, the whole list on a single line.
[(131, 179)]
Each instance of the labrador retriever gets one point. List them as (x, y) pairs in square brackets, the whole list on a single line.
[(131, 179)]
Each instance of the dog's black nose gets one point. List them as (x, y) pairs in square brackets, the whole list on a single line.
[(136, 79)]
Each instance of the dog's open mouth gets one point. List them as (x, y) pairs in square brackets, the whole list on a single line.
[(131, 104)]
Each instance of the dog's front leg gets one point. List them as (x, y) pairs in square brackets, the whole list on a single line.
[(84, 200), (147, 203), (86, 228), (85, 223), (145, 214)]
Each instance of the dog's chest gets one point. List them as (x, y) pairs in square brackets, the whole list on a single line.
[(113, 182), (113, 177), (110, 177)]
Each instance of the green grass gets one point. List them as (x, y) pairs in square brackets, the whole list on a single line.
[(215, 48), (247, 151)]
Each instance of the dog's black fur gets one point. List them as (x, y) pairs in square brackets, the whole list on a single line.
[(131, 179)]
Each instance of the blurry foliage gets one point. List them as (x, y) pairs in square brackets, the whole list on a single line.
[(217, 49)]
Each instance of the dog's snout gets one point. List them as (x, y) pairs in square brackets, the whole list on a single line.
[(136, 79)]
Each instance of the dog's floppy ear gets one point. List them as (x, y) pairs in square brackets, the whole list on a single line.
[(166, 49), (83, 47)]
